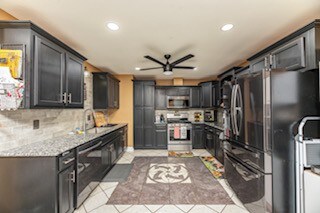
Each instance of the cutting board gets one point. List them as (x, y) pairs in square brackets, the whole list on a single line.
[(100, 119)]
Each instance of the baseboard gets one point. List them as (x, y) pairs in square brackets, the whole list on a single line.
[(129, 149)]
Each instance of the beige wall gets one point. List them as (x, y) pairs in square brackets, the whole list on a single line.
[(6, 16), (125, 112)]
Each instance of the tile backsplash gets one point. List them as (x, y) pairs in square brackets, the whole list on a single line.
[(16, 127), (189, 111)]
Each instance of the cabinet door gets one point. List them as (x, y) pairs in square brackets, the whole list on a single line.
[(195, 97), (290, 56), (148, 127), (66, 190), (148, 95), (184, 91), (173, 91), (206, 95), (116, 94), (138, 94), (216, 94), (49, 74), (110, 92), (100, 87), (259, 64), (161, 137), (74, 81), (160, 98), (198, 139), (138, 127)]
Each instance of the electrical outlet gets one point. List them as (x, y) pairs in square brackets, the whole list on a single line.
[(36, 124)]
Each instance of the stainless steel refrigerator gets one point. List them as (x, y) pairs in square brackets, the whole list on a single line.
[(259, 153)]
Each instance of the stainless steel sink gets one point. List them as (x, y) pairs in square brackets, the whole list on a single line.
[(100, 129)]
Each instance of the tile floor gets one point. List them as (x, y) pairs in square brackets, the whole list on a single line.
[(100, 199)]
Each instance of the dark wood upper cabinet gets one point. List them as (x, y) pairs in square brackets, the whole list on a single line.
[(160, 98), (105, 91), (49, 74), (52, 71), (195, 100), (74, 81), (206, 94)]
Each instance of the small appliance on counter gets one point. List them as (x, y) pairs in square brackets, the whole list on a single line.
[(209, 116), (160, 118), (197, 116)]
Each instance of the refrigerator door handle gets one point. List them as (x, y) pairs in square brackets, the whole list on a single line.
[(238, 109), (232, 109)]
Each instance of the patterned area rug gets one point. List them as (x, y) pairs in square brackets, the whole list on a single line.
[(180, 154), (214, 166)]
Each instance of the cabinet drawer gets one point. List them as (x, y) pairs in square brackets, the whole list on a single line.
[(66, 159)]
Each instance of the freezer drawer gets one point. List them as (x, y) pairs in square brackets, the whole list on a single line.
[(249, 185)]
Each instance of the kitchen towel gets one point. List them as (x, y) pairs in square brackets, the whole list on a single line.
[(183, 133), (176, 133)]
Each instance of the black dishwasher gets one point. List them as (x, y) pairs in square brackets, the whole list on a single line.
[(93, 163)]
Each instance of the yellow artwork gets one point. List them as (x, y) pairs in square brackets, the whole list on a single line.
[(13, 60)]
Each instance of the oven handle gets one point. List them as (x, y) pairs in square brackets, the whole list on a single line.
[(90, 148)]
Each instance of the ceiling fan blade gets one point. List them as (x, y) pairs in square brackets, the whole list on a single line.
[(182, 59), (154, 60), (153, 68), (183, 67)]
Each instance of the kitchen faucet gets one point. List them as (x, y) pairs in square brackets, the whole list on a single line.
[(85, 120)]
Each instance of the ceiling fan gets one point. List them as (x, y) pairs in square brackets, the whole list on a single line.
[(167, 67)]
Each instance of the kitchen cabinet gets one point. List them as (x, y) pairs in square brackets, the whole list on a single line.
[(218, 144), (209, 140), (195, 97), (66, 190), (198, 138), (160, 98), (52, 71), (178, 91), (105, 91), (161, 136), (297, 51), (144, 114), (210, 94)]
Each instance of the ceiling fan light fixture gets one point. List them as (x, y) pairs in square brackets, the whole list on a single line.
[(113, 26), (168, 72), (227, 27), (196, 68), (137, 68)]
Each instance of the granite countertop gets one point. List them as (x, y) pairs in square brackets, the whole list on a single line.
[(56, 146)]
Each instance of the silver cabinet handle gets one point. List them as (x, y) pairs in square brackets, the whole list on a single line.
[(73, 176), (64, 98), (90, 148), (68, 161), (70, 98)]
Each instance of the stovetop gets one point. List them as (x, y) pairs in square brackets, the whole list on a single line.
[(178, 121)]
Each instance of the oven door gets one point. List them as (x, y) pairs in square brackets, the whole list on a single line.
[(184, 138), (92, 164), (177, 102), (248, 184)]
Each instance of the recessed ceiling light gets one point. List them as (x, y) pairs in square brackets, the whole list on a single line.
[(137, 68), (113, 26), (227, 27)]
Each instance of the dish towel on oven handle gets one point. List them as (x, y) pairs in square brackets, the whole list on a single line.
[(183, 133), (176, 132)]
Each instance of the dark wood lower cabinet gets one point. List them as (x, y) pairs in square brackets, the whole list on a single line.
[(161, 141), (198, 136), (66, 190)]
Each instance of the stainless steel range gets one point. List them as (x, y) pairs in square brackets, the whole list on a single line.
[(179, 132)]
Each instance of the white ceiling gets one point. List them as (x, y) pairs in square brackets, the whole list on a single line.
[(157, 27)]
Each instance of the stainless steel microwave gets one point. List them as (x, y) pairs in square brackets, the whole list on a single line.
[(177, 102)]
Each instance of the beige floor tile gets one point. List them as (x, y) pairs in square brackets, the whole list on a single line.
[(105, 209), (201, 209), (81, 209), (96, 191), (122, 208), (226, 187), (107, 185), (234, 209), (217, 208), (236, 201), (185, 208), (137, 209), (109, 191), (153, 208), (169, 209), (95, 201)]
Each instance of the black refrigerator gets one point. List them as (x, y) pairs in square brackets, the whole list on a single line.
[(265, 108)]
